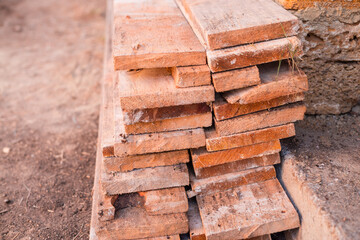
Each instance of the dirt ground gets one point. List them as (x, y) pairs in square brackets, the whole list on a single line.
[(50, 66)]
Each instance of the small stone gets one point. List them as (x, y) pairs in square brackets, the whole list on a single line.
[(7, 201), (356, 109), (6, 150)]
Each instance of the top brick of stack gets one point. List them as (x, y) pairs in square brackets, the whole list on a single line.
[(227, 23), (153, 34)]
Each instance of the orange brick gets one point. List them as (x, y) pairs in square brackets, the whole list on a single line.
[(232, 180), (157, 114), (156, 202), (217, 143), (129, 163), (202, 158), (145, 179), (224, 110), (253, 54), (274, 84), (191, 76), (173, 124), (238, 166), (253, 121), (158, 142), (247, 211), (235, 79)]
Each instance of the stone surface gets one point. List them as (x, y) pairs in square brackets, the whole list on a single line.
[(331, 41), (321, 173)]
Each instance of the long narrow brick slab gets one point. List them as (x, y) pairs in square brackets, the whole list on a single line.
[(274, 84), (158, 142), (202, 158), (218, 143), (191, 76), (231, 180), (247, 211), (237, 166), (149, 226), (224, 110), (157, 114), (235, 79), (173, 124), (155, 88), (145, 179), (156, 202), (129, 163), (227, 23), (274, 117), (253, 54), (153, 34)]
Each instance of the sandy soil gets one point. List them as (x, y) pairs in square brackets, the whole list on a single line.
[(50, 66)]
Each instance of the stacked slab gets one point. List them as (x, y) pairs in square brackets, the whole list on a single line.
[(149, 121), (164, 61), (259, 96)]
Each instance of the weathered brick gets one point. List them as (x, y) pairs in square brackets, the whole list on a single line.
[(201, 158), (191, 76), (218, 143)]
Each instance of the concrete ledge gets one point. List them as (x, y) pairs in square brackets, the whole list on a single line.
[(315, 222)]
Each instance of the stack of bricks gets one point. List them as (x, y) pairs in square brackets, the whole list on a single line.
[(165, 60), (148, 121), (258, 98)]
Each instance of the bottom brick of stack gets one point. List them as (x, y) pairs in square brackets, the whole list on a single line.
[(251, 211)]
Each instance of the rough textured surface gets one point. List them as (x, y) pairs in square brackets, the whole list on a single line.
[(247, 211), (151, 34), (223, 110), (299, 4), (191, 76), (50, 65), (145, 179), (242, 25), (263, 119), (231, 180), (331, 40), (217, 143), (237, 166), (201, 158), (129, 163), (326, 164)]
